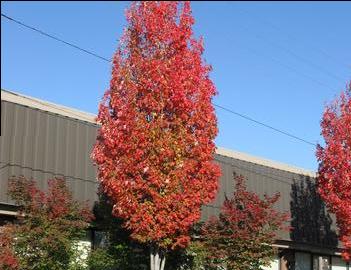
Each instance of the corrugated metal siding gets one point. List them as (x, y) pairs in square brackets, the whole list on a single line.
[(298, 197), (41, 145)]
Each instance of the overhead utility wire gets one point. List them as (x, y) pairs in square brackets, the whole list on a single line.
[(55, 38), (300, 58), (108, 60), (296, 71), (291, 36), (265, 125)]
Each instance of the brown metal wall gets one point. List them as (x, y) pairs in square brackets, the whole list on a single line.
[(41, 145)]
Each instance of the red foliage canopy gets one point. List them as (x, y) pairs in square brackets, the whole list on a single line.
[(334, 179), (47, 225), (155, 147)]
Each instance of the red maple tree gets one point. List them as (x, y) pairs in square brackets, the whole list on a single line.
[(47, 226), (155, 147), (243, 234), (334, 172)]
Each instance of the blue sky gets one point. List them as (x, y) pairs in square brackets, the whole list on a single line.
[(277, 62)]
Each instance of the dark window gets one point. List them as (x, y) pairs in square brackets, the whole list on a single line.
[(99, 239)]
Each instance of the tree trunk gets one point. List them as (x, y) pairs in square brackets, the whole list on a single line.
[(157, 259)]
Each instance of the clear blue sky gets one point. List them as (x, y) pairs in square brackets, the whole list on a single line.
[(276, 62)]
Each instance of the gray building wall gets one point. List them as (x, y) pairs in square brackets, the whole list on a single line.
[(40, 145), (313, 227)]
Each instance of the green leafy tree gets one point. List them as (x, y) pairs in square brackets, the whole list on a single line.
[(118, 250)]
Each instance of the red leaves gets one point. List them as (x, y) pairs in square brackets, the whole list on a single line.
[(155, 146), (334, 180), (57, 203), (47, 226), (8, 259), (247, 226)]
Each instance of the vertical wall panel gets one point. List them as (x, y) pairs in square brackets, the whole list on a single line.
[(61, 141), (42, 145), (71, 147), (18, 131), (4, 149)]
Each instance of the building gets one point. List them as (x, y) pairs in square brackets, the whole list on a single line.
[(41, 140)]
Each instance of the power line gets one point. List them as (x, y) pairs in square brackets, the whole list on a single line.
[(264, 125), (298, 72), (107, 60), (302, 59), (292, 53), (279, 29), (55, 38)]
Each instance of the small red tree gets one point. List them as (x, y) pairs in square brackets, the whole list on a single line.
[(48, 225), (8, 259), (155, 147), (334, 172), (241, 237)]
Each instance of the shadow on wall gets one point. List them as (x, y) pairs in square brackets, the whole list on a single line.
[(310, 221)]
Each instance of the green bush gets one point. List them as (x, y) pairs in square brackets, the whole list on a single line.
[(100, 259)]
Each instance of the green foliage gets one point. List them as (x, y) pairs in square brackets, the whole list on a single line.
[(79, 257), (198, 254), (119, 252), (100, 259), (193, 257)]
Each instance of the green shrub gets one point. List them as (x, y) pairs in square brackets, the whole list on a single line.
[(100, 259)]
